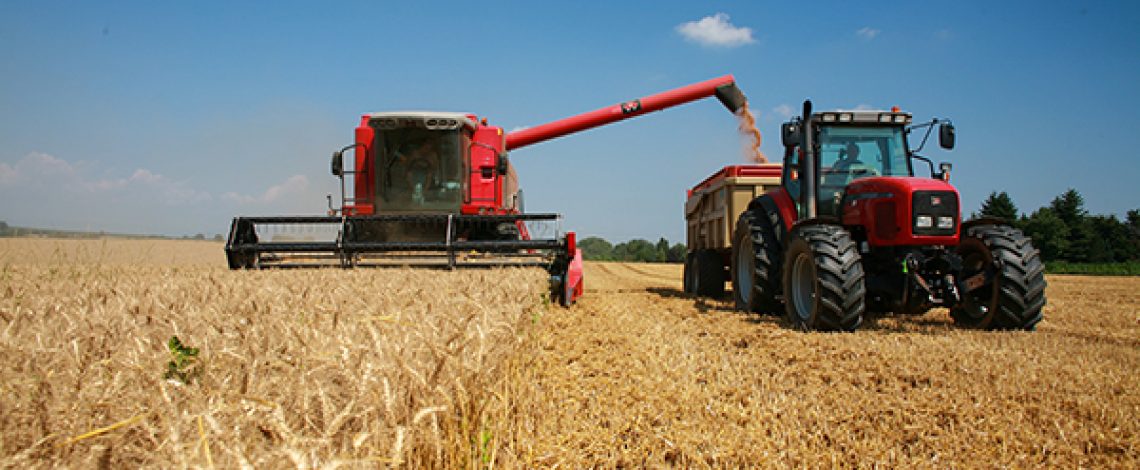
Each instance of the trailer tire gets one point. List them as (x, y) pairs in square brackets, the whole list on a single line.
[(823, 279), (1015, 294), (755, 265), (709, 278), (688, 274)]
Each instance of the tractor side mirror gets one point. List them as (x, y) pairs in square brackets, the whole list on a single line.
[(944, 171), (790, 134), (946, 135), (338, 163)]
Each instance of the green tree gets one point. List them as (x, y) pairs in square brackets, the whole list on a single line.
[(1112, 240), (677, 253), (635, 250), (595, 248), (1070, 208), (1049, 233), (1134, 234), (662, 250), (3, 228), (998, 205)]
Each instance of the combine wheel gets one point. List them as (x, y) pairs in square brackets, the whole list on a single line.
[(755, 269), (708, 280), (1010, 290), (823, 280)]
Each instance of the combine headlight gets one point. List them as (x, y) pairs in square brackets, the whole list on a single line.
[(945, 222), (886, 118), (900, 118), (923, 221), (845, 117), (828, 117)]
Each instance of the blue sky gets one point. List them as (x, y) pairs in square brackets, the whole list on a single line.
[(173, 117)]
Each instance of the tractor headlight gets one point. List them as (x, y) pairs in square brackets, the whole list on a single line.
[(924, 221), (945, 222)]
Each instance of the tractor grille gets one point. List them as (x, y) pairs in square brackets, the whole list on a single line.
[(938, 206)]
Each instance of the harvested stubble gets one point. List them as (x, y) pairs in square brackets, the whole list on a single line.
[(299, 368), (639, 375)]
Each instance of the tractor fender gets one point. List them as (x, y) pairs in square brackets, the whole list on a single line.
[(779, 209), (982, 221)]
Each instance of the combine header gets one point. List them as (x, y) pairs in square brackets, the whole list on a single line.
[(438, 189)]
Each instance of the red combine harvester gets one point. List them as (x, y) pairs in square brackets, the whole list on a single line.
[(437, 189)]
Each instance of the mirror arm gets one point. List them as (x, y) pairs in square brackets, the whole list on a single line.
[(927, 160)]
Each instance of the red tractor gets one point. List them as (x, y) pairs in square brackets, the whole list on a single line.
[(437, 188), (851, 230)]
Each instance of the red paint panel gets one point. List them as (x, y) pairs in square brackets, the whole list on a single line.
[(873, 199), (484, 193)]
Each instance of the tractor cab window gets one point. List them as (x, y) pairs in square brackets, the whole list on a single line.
[(847, 153), (420, 169)]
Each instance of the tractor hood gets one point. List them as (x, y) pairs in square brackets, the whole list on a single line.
[(903, 210)]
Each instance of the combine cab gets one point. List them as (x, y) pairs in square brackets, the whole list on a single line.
[(438, 189)]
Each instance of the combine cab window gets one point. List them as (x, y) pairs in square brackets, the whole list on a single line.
[(420, 170)]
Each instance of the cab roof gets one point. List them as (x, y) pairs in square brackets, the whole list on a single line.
[(430, 119)]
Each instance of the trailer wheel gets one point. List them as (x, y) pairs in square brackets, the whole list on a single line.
[(823, 280), (709, 278), (689, 273), (755, 267), (1011, 289)]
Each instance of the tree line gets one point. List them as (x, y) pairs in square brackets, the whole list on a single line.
[(1064, 231), (638, 250)]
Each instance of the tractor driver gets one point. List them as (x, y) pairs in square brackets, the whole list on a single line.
[(849, 163)]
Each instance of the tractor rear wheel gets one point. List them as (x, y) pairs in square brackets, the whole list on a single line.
[(823, 279), (755, 271), (709, 279), (1010, 291)]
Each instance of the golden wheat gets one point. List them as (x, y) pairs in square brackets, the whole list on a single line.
[(306, 369)]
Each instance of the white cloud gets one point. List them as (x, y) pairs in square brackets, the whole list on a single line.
[(864, 107), (41, 171), (716, 30), (293, 185), (867, 32), (518, 128), (783, 111)]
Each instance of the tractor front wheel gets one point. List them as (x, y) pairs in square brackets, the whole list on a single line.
[(1004, 279), (823, 280)]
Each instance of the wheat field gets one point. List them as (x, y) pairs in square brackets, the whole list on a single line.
[(468, 369)]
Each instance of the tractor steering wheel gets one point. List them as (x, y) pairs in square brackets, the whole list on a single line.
[(858, 169)]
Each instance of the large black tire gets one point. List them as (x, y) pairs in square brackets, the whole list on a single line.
[(755, 265), (1014, 295), (823, 280), (688, 275), (709, 279)]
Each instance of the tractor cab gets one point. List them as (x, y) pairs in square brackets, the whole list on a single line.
[(420, 160), (850, 145)]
